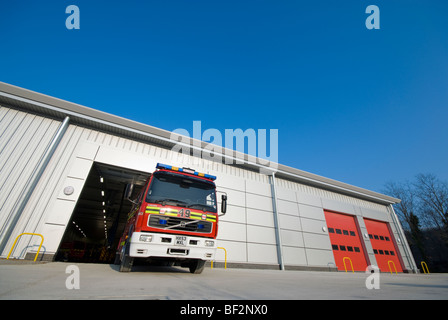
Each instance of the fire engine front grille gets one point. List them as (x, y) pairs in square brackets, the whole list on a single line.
[(158, 221)]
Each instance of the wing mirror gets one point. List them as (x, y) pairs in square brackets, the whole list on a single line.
[(223, 204), (128, 192)]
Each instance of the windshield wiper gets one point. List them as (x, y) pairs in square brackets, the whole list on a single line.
[(203, 206), (164, 201)]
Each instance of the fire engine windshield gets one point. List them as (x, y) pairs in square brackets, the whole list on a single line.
[(179, 190)]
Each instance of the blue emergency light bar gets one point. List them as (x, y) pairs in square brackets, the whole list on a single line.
[(185, 170)]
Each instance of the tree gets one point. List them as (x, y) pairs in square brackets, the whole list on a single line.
[(406, 211), (433, 196), (406, 208), (423, 212)]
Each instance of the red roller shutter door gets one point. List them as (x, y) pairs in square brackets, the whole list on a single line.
[(383, 245), (346, 241)]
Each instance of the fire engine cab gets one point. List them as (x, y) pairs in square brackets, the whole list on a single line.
[(174, 220)]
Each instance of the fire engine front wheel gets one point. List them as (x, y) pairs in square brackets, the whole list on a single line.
[(197, 266), (126, 261)]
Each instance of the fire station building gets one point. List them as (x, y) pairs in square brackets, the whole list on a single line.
[(64, 169)]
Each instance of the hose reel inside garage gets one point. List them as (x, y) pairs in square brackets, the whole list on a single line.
[(100, 215)]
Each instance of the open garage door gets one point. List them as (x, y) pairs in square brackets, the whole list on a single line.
[(346, 242), (383, 245), (100, 215)]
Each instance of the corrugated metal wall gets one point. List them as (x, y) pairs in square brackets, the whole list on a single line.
[(23, 141), (247, 231)]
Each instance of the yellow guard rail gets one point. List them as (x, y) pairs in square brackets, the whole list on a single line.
[(225, 257), (393, 263), (423, 263), (32, 234), (343, 260)]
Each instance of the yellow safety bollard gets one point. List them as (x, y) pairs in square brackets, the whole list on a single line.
[(423, 263), (32, 234), (225, 258), (390, 269), (343, 260)]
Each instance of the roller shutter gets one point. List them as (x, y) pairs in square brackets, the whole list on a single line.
[(383, 245), (346, 242)]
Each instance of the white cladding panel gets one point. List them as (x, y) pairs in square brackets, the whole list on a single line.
[(24, 139)]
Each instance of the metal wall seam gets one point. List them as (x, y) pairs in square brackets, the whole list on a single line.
[(405, 244), (18, 159), (51, 178), (276, 223), (30, 186)]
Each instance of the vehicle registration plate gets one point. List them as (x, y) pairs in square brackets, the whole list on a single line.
[(181, 241)]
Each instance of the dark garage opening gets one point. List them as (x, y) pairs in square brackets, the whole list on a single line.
[(100, 215)]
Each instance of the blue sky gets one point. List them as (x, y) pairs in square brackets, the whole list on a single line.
[(356, 105)]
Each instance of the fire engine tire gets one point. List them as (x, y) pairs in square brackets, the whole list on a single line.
[(117, 258), (126, 261), (197, 266)]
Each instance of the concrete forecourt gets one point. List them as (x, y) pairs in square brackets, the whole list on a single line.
[(71, 281)]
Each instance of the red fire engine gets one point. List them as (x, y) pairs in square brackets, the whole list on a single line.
[(173, 220)]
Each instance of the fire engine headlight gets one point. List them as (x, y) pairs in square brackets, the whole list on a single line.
[(146, 237), (209, 243)]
